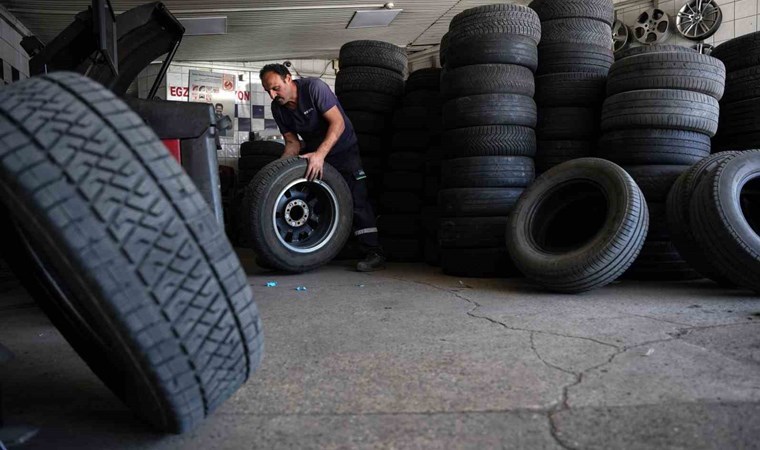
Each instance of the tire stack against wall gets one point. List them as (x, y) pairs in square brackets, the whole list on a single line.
[(489, 118), (369, 86), (573, 60), (254, 155), (416, 128), (659, 117), (740, 107)]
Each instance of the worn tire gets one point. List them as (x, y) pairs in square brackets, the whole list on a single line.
[(739, 53), (374, 54), (657, 48), (678, 70), (263, 194), (368, 101), (478, 202), (488, 172), (424, 80), (661, 108), (729, 230), (369, 79), (740, 118), (742, 85), (489, 109), (679, 221), (498, 48), (365, 122), (472, 232), (411, 118), (579, 226), (579, 89), (554, 153), (556, 58), (495, 140), (578, 31), (147, 287), (568, 123), (653, 146), (487, 79), (511, 19), (601, 10)]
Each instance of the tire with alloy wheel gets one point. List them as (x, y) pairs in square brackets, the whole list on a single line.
[(297, 225), (119, 248)]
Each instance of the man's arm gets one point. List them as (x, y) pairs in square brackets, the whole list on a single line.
[(292, 146), (335, 128)]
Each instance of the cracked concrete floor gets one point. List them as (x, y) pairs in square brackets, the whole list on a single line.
[(410, 358)]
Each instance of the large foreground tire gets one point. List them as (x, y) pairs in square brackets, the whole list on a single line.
[(122, 252), (661, 108), (298, 225), (725, 218), (579, 226)]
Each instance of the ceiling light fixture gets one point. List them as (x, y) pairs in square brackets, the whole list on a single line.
[(204, 26), (374, 18)]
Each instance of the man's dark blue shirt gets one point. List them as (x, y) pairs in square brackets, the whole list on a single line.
[(314, 99)]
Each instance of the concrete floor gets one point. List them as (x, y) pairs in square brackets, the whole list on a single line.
[(409, 358)]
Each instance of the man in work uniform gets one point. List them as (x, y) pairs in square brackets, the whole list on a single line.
[(307, 107)]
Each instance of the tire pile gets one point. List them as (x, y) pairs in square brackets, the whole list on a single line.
[(369, 86), (659, 117), (254, 156), (416, 127), (573, 61), (714, 212), (489, 116), (740, 107)]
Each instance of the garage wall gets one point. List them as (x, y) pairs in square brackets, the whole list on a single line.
[(740, 17), (252, 106), (15, 61)]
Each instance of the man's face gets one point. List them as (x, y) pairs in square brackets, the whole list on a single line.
[(219, 110), (279, 89)]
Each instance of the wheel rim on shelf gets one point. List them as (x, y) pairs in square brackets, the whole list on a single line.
[(620, 36), (699, 19), (652, 27)]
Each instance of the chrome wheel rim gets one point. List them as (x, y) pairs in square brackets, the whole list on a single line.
[(652, 27), (305, 215), (620, 36), (699, 19)]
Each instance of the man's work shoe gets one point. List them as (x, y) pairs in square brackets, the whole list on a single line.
[(373, 261)]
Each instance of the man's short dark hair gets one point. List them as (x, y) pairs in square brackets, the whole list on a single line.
[(219, 105), (279, 69)]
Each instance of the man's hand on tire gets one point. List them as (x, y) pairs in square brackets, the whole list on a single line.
[(316, 165)]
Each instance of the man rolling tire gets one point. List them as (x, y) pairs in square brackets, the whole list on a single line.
[(307, 107)]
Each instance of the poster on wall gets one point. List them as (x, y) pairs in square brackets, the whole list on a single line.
[(217, 89)]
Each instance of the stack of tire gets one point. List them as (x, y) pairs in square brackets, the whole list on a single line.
[(254, 156), (714, 212), (416, 127), (740, 107), (489, 117), (573, 60), (659, 117), (369, 86)]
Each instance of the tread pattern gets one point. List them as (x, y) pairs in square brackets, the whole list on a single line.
[(488, 171), (687, 71), (601, 10), (500, 18), (124, 213), (555, 58), (653, 146), (571, 89), (495, 140), (424, 79), (739, 53), (661, 108), (372, 79), (478, 202), (657, 48), (487, 79), (374, 54), (493, 48), (490, 109), (742, 85), (655, 181), (579, 31)]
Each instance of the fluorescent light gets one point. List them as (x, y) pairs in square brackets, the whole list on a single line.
[(204, 26), (373, 18)]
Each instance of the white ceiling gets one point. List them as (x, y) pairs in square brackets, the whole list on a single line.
[(302, 32)]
